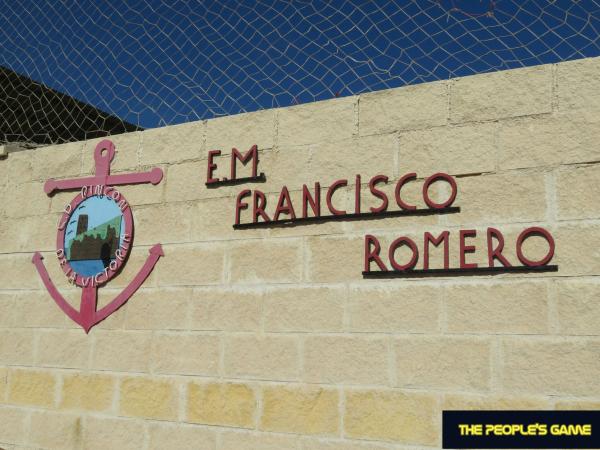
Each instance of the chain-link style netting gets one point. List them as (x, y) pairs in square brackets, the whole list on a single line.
[(76, 69)]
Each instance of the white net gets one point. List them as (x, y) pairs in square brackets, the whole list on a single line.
[(78, 69)]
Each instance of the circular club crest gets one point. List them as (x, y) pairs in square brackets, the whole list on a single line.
[(94, 235)]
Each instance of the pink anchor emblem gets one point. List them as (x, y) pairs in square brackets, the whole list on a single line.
[(95, 236)]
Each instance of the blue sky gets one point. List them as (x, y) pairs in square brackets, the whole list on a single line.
[(156, 63)]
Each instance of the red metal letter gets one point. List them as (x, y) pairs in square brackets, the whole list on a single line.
[(357, 195), (252, 153), (401, 182), (239, 205), (259, 210), (432, 179), (496, 253), (373, 255), (462, 234), (336, 184), (212, 166), (315, 202), (428, 237), (282, 208), (410, 243), (379, 194), (535, 231)]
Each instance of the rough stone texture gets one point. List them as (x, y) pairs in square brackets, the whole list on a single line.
[(305, 410), (267, 358), (341, 360), (420, 106), (578, 307), (304, 309), (551, 367), (409, 418), (413, 309), (454, 150), (148, 398), (499, 308), (311, 123), (270, 338), (508, 93), (443, 363), (102, 433), (31, 387), (226, 404), (163, 436), (89, 392), (51, 430)]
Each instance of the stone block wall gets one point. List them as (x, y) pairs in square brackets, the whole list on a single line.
[(270, 338)]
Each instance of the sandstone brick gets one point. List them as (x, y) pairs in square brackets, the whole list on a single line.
[(574, 253), (91, 392), (520, 308), (148, 398), (102, 433), (158, 309), (13, 424), (19, 167), (327, 162), (260, 261), (241, 131), (225, 309), (16, 347), (36, 309), (57, 161), (350, 360), (64, 348), (29, 234), (186, 354), (185, 181), (304, 309), (187, 265), (316, 122), (523, 199), (494, 402), (163, 223), (404, 309), (302, 409), (266, 358), (212, 220), (144, 194), (578, 307), (172, 144), (335, 259), (584, 405), (3, 382), (392, 415), (243, 440), (51, 430), (121, 350), (578, 193), (25, 199), (163, 436), (406, 108), (443, 362), (322, 444), (31, 387), (542, 142), (226, 404), (7, 309), (454, 150), (507, 93), (551, 366), (578, 85), (127, 146)]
